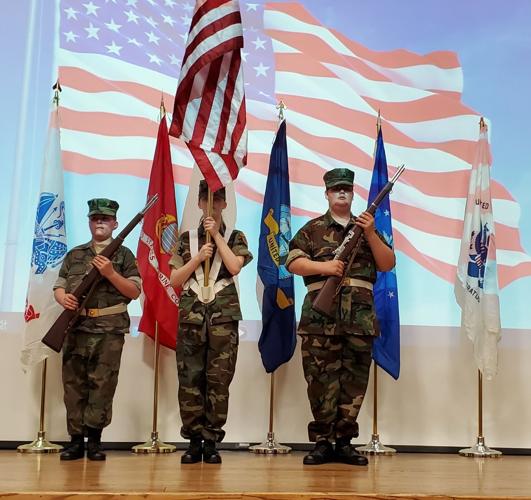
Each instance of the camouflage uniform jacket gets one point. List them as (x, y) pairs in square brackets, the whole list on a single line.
[(226, 306), (317, 240), (76, 264)]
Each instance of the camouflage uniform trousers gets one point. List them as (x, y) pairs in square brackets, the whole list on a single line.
[(91, 362), (206, 359), (336, 369)]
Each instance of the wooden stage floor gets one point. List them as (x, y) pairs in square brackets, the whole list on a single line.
[(247, 476)]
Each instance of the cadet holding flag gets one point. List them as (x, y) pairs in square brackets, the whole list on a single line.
[(93, 348), (336, 352), (207, 341)]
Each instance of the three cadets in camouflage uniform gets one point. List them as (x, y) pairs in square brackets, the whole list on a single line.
[(207, 341), (336, 353), (93, 348)]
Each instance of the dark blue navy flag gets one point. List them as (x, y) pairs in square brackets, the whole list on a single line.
[(386, 348), (278, 338)]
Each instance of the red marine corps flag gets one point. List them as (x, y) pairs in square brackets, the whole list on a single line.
[(209, 111), (155, 247)]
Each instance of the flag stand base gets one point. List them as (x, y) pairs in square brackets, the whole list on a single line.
[(154, 445), (40, 445), (480, 449), (375, 447), (270, 446)]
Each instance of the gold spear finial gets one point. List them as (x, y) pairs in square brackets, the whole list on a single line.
[(162, 108), (281, 107), (57, 88), (378, 127)]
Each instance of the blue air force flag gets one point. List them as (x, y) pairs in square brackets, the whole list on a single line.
[(278, 338), (49, 249), (386, 348)]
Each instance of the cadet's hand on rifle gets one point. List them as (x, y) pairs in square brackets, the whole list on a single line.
[(334, 267), (211, 226), (206, 252), (366, 221), (103, 265), (70, 302)]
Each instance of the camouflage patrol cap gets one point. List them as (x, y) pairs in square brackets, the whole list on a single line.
[(102, 206), (203, 191), (338, 177)]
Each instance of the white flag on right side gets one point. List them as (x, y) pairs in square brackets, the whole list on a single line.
[(476, 285)]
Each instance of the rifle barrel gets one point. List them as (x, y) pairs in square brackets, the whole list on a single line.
[(150, 203), (398, 173)]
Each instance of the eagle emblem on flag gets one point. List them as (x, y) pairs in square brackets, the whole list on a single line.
[(479, 246), (48, 246)]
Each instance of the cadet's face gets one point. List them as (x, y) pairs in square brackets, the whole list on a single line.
[(102, 226), (218, 205), (340, 197)]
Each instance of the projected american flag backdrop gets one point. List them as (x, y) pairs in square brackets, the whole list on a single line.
[(116, 56)]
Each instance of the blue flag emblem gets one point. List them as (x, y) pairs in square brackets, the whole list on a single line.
[(278, 338), (386, 348), (477, 255), (48, 243)]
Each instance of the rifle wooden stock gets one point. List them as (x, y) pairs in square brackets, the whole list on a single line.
[(57, 333), (324, 301)]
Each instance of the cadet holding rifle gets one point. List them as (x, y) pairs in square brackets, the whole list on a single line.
[(93, 347), (336, 351)]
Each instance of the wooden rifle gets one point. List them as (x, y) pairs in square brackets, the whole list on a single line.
[(323, 302), (57, 333)]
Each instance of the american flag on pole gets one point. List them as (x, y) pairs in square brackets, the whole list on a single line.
[(209, 111), (476, 285), (115, 57)]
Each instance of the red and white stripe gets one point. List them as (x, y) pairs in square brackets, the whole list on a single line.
[(209, 111), (333, 88)]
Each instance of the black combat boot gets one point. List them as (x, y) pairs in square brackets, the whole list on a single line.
[(194, 453), (347, 454), (76, 448), (94, 450), (321, 454), (210, 454)]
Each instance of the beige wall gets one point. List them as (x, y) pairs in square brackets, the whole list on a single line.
[(434, 403)]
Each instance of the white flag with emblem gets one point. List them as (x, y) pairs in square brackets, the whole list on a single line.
[(49, 249), (476, 285)]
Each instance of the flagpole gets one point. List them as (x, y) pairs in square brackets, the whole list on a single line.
[(375, 446), (154, 444), (210, 202), (480, 449), (41, 444), (270, 445)]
